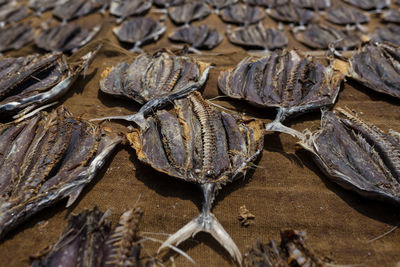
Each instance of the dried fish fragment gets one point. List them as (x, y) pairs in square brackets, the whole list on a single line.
[(47, 158), (199, 144), (218, 4), (291, 13), (356, 155), (369, 4), (284, 80), (198, 37), (139, 31), (12, 12), (168, 3), (313, 4), (64, 37), (387, 33), (321, 36), (266, 3), (15, 36), (126, 8), (72, 9), (188, 12), (377, 66), (242, 14), (43, 5), (391, 15), (345, 15)]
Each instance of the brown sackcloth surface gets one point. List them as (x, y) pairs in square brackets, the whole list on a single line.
[(286, 190)]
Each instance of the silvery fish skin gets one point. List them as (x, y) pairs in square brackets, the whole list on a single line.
[(15, 36), (358, 156), (199, 144), (321, 36), (266, 3), (13, 12), (313, 4), (291, 13), (126, 8), (369, 4), (72, 9), (139, 31), (343, 15), (242, 14), (44, 159), (30, 82), (168, 3), (284, 80), (391, 15), (387, 33), (43, 5), (197, 36), (377, 66), (65, 37), (188, 12), (218, 4), (257, 36)]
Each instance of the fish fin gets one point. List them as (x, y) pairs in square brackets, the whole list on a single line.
[(279, 127), (74, 196), (137, 118)]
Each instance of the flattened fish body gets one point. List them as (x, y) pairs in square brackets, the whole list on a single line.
[(72, 9), (218, 4), (168, 3), (15, 36), (343, 15), (242, 14), (266, 3), (126, 8), (197, 36), (369, 4), (291, 13), (13, 12), (188, 12), (387, 33), (313, 4), (391, 15), (43, 5)]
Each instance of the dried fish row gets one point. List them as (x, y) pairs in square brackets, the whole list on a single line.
[(356, 155), (57, 156), (284, 80), (198, 37), (345, 15), (15, 36), (391, 15), (72, 9), (242, 14), (312, 4), (126, 8), (12, 12), (369, 4), (199, 144), (266, 3), (387, 33), (188, 12), (291, 13)]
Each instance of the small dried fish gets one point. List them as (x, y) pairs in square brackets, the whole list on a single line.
[(285, 80), (266, 3), (15, 36), (188, 12), (199, 144), (139, 31), (43, 5), (126, 8), (369, 4), (387, 33), (345, 15), (291, 13), (12, 12), (312, 4), (218, 4), (391, 15), (44, 159), (64, 37), (323, 36), (168, 3), (292, 251), (257, 36), (72, 9), (242, 14), (30, 82), (377, 66), (198, 37)]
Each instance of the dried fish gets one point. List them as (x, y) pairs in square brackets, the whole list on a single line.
[(266, 3), (197, 36), (291, 13), (126, 8), (391, 15), (313, 4), (323, 36), (197, 143), (377, 66), (387, 33), (15, 36), (218, 4), (284, 80), (292, 251), (357, 155), (64, 37), (139, 31), (47, 158), (344, 15), (30, 82), (12, 12), (242, 14), (369, 4), (188, 12), (72, 9), (43, 5), (257, 36), (168, 3)]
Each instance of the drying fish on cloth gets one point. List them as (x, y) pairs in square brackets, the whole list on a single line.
[(312, 4), (358, 156), (266, 3), (30, 82), (242, 14), (387, 33), (291, 13), (188, 12), (392, 15), (284, 80), (13, 12), (47, 158), (199, 144), (72, 9), (345, 15), (369, 4), (218, 4), (126, 8), (197, 37), (15, 36)]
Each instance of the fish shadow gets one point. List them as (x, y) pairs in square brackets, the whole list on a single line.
[(115, 101), (372, 94)]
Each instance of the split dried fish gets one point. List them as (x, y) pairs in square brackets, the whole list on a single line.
[(154, 80), (30, 82), (387, 33), (321, 36), (41, 6), (284, 80), (292, 251), (12, 12), (47, 158), (126, 8), (188, 12), (291, 13), (199, 144), (312, 4), (242, 14), (257, 36), (392, 15), (139, 31), (357, 155), (72, 9), (218, 4), (64, 37), (369, 4), (198, 37), (15, 36), (345, 15), (266, 3), (168, 3), (377, 66)]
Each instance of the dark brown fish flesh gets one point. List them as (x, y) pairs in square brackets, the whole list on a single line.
[(139, 31), (266, 3), (284, 80), (345, 15), (257, 36), (199, 144), (72, 9), (126, 8), (387, 33), (312, 4), (64, 37), (15, 36), (12, 12), (322, 36), (357, 155), (168, 3), (369, 4), (30, 82), (218, 4), (47, 158), (188, 12), (377, 66), (198, 37), (292, 251), (291, 13), (391, 15), (242, 14)]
